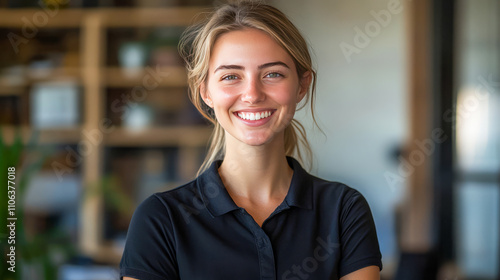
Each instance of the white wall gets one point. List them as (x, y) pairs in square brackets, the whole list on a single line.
[(361, 104)]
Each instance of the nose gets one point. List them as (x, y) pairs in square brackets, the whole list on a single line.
[(253, 92)]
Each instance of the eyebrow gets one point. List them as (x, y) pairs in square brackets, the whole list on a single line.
[(239, 67)]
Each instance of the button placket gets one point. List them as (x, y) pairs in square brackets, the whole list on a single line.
[(264, 247)]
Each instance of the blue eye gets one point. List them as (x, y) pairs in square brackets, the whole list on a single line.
[(230, 77), (274, 75)]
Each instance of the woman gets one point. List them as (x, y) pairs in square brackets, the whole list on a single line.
[(252, 212)]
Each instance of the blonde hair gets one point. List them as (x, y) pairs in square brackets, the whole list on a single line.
[(195, 48)]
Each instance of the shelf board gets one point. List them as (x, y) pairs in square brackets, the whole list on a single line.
[(150, 17), (17, 85), (53, 74), (45, 136), (183, 136), (8, 90), (13, 18), (112, 17), (173, 76), (149, 77)]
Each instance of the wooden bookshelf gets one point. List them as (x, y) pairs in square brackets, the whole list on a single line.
[(94, 76)]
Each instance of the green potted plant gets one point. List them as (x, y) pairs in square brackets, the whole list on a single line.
[(32, 254)]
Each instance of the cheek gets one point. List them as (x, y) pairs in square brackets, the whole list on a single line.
[(285, 95), (223, 98)]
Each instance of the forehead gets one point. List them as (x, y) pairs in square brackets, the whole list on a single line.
[(247, 47)]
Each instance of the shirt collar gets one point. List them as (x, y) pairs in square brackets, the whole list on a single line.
[(219, 202)]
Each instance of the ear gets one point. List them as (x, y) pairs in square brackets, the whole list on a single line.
[(205, 95), (305, 82)]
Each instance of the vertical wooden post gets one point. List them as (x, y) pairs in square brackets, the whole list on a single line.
[(416, 218), (188, 162), (92, 44)]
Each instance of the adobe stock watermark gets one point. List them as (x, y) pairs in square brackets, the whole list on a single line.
[(31, 25), (94, 137), (363, 37), (85, 147), (309, 265), (482, 91), (424, 149), (455, 115), (199, 203)]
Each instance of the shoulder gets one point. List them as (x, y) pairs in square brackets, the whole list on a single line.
[(334, 190), (339, 201), (164, 203), (325, 195), (305, 182), (180, 194)]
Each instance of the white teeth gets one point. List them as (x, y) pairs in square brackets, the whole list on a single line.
[(254, 116)]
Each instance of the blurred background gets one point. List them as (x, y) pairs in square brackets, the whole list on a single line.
[(94, 115)]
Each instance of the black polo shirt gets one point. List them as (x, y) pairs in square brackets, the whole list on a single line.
[(321, 230)]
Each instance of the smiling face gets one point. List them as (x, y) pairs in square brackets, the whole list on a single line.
[(253, 86)]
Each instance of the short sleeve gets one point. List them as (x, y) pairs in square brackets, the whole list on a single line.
[(150, 246), (358, 237)]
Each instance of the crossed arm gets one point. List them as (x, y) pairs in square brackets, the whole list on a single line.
[(367, 273)]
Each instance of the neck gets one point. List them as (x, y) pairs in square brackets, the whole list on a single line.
[(258, 173)]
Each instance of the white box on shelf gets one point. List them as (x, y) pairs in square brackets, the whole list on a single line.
[(54, 104)]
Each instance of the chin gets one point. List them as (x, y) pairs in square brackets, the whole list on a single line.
[(255, 143), (256, 140)]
